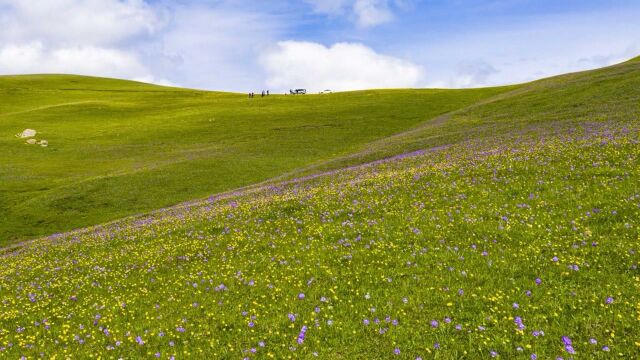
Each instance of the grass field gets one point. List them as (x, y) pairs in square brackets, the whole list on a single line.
[(510, 231), (118, 148)]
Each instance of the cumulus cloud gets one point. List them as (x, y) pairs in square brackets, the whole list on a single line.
[(343, 66), (212, 46), (84, 22), (86, 60), (75, 36)]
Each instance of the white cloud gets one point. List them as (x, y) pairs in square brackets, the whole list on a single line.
[(35, 57), (365, 13), (191, 44), (77, 22), (372, 12), (343, 66), (86, 37)]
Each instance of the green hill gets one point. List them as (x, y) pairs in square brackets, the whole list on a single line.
[(118, 148), (611, 93), (513, 233)]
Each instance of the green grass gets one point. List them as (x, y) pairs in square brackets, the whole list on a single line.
[(514, 233), (118, 148), (610, 93), (500, 245)]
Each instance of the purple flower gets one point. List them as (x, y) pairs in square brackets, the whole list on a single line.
[(396, 351), (493, 353), (251, 324), (139, 340), (605, 348), (568, 345), (434, 324), (180, 329), (301, 335), (436, 346), (593, 341), (301, 296), (516, 305), (365, 321), (518, 321), (609, 300), (534, 356), (538, 281)]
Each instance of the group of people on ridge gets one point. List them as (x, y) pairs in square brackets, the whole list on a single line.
[(264, 93)]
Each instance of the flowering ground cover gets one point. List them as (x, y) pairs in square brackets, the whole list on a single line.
[(521, 246)]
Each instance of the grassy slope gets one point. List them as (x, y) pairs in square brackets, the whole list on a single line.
[(119, 147), (604, 94), (523, 232)]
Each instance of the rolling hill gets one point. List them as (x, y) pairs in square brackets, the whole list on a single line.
[(502, 228), (118, 148)]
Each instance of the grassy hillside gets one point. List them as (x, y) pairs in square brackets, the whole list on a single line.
[(610, 93), (519, 240), (118, 148)]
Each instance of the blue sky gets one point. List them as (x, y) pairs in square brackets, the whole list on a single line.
[(317, 44)]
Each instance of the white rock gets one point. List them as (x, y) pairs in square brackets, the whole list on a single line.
[(43, 143), (31, 141), (27, 133)]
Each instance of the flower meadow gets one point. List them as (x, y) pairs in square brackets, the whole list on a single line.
[(525, 246)]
